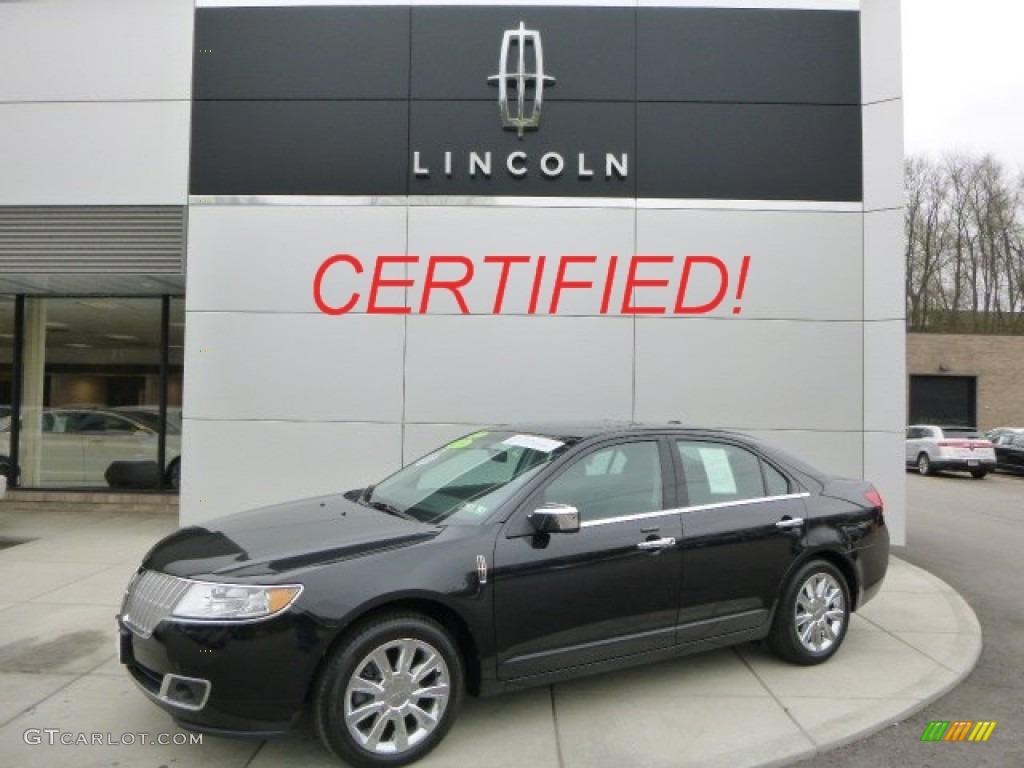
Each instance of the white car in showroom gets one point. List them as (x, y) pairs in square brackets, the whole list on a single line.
[(932, 448), (78, 445)]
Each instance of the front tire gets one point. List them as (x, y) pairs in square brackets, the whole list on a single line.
[(813, 615), (924, 465), (389, 693)]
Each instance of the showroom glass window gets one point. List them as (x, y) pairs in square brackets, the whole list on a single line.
[(6, 371), (94, 373)]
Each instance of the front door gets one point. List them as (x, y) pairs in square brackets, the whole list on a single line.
[(610, 589)]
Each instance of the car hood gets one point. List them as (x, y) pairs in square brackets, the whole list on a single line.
[(275, 540)]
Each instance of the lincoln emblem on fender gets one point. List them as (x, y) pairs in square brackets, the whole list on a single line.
[(518, 114)]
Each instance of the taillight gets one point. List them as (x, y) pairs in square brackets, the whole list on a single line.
[(875, 498)]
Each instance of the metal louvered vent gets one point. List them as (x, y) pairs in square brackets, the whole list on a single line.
[(82, 239), (150, 598)]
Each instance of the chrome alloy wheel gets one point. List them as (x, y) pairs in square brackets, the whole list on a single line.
[(820, 612), (397, 696)]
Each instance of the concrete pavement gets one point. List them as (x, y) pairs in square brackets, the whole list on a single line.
[(734, 707)]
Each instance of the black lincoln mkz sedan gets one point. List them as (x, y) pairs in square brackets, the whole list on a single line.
[(513, 556)]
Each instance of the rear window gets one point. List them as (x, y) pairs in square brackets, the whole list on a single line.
[(961, 433)]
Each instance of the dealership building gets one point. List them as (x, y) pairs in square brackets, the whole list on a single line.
[(310, 241)]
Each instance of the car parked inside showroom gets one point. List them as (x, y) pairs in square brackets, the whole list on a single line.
[(931, 448), (78, 445), (510, 557)]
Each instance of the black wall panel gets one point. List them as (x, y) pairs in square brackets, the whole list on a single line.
[(707, 103), (761, 57), (299, 147), (765, 151), (302, 53)]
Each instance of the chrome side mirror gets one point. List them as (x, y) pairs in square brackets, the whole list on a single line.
[(555, 518)]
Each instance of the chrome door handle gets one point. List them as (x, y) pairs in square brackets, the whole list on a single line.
[(790, 522), (656, 544)]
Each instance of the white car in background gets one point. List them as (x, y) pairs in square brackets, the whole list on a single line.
[(79, 445), (931, 448)]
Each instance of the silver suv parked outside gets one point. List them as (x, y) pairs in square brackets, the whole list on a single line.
[(931, 448)]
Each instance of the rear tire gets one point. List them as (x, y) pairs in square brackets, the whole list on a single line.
[(924, 465), (977, 474), (390, 691), (813, 614)]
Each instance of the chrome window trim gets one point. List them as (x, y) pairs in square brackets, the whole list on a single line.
[(694, 508), (739, 502)]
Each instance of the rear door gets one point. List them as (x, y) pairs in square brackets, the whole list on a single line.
[(743, 525), (610, 589)]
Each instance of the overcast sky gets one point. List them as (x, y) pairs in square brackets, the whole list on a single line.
[(963, 77)]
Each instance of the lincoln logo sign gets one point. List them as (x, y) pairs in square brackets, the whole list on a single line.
[(521, 79)]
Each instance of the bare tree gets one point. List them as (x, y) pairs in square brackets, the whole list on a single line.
[(965, 246)]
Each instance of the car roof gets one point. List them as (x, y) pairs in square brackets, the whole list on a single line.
[(574, 432), (581, 430)]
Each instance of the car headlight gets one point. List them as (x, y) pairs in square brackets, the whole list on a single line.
[(204, 600)]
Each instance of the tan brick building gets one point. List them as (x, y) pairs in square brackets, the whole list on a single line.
[(947, 371)]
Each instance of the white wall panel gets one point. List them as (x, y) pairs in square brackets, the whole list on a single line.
[(885, 376), (883, 466), (293, 367), (479, 231), (749, 374), (803, 264), (264, 258), (838, 453), (229, 466), (881, 50), (884, 265), (128, 153), (497, 369), (883, 155), (70, 50)]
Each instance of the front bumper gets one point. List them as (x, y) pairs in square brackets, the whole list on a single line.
[(250, 679)]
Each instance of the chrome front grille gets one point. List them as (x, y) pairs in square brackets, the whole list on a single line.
[(150, 598)]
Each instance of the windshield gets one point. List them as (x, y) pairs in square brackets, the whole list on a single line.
[(467, 479)]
